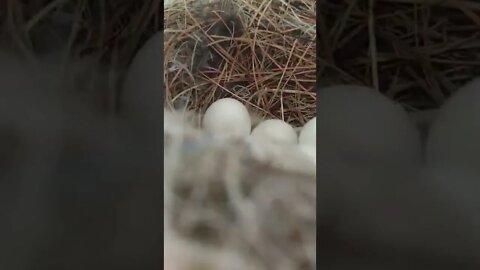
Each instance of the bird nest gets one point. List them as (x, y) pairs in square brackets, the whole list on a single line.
[(415, 52), (261, 53)]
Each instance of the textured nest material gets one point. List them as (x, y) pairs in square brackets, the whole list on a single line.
[(259, 52), (417, 52), (231, 204)]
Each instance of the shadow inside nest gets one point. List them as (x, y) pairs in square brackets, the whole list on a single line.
[(219, 37)]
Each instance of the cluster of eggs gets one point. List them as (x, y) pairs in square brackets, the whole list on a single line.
[(360, 120), (225, 117), (229, 117)]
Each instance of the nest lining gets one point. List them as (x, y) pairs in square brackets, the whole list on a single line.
[(261, 53)]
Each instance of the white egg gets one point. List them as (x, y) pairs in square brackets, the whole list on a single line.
[(309, 151), (227, 117), (167, 3), (454, 137), (362, 126), (275, 131), (308, 134), (143, 87)]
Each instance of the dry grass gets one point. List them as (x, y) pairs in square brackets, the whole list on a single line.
[(106, 32), (260, 52), (424, 49), (114, 30), (417, 52)]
